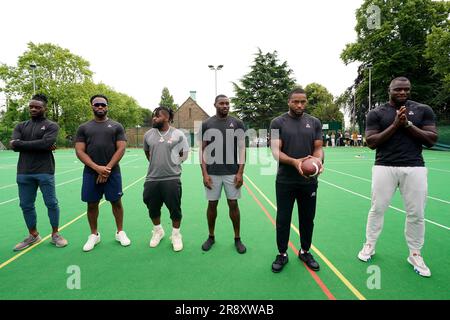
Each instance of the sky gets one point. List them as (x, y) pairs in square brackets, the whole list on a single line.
[(138, 47)]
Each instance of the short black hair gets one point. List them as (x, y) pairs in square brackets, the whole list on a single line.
[(296, 90), (98, 96), (218, 97), (403, 79), (168, 110), (40, 97)]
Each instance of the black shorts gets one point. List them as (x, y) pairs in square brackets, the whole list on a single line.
[(168, 192)]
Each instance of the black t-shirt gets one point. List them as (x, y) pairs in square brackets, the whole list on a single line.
[(36, 138), (223, 136), (401, 150), (297, 136), (100, 139)]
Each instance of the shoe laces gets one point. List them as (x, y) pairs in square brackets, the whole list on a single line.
[(367, 249), (93, 237), (56, 236), (419, 260), (280, 259), (176, 237)]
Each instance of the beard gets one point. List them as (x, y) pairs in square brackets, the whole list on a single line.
[(100, 114), (157, 125), (399, 102)]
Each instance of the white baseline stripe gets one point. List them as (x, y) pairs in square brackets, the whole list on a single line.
[(392, 207), (364, 179), (58, 185), (441, 170)]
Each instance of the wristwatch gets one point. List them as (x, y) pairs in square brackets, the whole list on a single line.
[(408, 124)]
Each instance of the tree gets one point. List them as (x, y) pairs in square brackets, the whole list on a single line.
[(263, 91), (167, 100), (438, 50), (57, 69), (394, 48), (66, 80), (321, 104)]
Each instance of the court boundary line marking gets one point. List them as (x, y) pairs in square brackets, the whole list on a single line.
[(21, 253), (336, 271), (390, 206), (56, 174), (313, 274), (367, 180), (58, 185)]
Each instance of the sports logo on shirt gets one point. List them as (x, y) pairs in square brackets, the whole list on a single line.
[(231, 125), (410, 113), (43, 128), (109, 126), (308, 125)]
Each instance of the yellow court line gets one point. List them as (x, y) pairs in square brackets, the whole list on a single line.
[(317, 251), (4, 264)]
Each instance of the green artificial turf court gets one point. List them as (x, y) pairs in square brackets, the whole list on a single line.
[(140, 272)]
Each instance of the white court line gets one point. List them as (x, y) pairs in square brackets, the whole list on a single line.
[(392, 207), (60, 184), (442, 170), (4, 264), (364, 179), (57, 174)]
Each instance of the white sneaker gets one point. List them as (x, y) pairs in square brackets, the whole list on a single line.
[(177, 242), (92, 241), (366, 252), (122, 238), (157, 237), (419, 265)]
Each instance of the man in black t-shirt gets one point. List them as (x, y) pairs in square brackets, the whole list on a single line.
[(295, 136), (222, 156), (100, 144), (397, 130)]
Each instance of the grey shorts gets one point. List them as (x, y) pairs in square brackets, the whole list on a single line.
[(227, 182)]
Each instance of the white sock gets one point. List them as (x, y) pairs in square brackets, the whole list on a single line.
[(414, 252), (175, 231), (157, 227), (301, 251)]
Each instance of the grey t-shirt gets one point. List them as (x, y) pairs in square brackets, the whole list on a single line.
[(100, 139), (223, 138), (164, 149), (297, 136)]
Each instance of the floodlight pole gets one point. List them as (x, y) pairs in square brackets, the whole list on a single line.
[(219, 67)]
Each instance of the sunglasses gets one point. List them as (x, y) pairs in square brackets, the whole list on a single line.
[(104, 105)]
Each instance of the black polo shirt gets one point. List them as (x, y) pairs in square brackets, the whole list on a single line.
[(401, 150), (100, 139), (226, 135), (297, 136)]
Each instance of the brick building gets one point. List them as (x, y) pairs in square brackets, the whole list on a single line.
[(187, 117)]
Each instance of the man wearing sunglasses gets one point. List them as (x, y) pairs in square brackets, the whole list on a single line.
[(100, 145)]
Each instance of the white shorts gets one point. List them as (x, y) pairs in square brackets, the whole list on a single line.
[(227, 182)]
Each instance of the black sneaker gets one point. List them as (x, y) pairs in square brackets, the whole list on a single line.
[(239, 246), (208, 244), (279, 263), (309, 260)]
